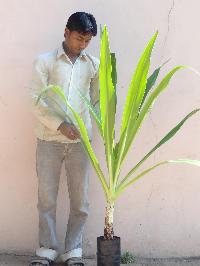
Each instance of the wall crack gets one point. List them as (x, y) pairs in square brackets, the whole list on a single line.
[(168, 28)]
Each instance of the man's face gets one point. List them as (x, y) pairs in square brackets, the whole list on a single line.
[(76, 42)]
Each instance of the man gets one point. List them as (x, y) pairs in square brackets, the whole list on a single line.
[(58, 140)]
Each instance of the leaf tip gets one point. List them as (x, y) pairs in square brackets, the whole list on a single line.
[(155, 35)]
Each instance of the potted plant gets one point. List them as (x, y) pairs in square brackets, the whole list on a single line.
[(141, 95)]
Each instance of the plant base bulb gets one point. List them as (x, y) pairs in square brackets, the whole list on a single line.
[(108, 228)]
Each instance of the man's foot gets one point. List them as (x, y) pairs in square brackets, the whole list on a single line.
[(75, 261), (40, 262)]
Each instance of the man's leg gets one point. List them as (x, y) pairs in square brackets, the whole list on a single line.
[(77, 170), (49, 159)]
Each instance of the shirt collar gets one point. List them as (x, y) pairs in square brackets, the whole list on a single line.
[(61, 52)]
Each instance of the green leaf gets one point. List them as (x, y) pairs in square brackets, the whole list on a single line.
[(89, 150), (167, 137), (151, 99), (83, 131), (125, 185), (56, 106), (107, 101), (114, 69), (187, 161), (114, 77), (93, 111), (137, 86), (133, 101), (151, 81)]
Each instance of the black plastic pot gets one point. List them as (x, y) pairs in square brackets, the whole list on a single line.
[(108, 251)]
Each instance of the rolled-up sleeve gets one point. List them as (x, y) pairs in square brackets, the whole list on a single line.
[(42, 112)]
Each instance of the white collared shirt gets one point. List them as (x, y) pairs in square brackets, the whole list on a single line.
[(55, 68)]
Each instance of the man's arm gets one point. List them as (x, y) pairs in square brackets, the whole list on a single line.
[(43, 113)]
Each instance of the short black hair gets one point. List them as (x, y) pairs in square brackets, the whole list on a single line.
[(83, 23)]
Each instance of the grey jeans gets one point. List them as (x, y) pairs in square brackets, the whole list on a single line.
[(49, 158)]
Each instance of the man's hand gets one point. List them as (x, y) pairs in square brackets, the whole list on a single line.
[(69, 131)]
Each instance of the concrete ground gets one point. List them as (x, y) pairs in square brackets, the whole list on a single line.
[(19, 260)]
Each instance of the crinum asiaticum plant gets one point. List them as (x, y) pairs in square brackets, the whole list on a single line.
[(139, 100)]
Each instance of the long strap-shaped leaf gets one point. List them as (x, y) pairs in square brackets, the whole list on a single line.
[(84, 135), (89, 150), (137, 87), (125, 185), (151, 82), (93, 112), (107, 102), (114, 70), (167, 137), (54, 89), (58, 91), (133, 101), (147, 105)]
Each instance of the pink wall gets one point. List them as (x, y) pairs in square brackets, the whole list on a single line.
[(159, 215)]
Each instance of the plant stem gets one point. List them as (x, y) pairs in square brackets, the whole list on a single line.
[(108, 228)]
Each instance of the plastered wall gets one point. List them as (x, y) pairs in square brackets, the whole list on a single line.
[(159, 215)]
